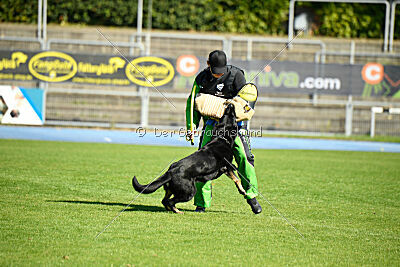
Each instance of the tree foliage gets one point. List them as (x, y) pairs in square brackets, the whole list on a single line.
[(349, 20), (235, 16)]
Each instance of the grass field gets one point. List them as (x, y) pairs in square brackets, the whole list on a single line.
[(56, 197)]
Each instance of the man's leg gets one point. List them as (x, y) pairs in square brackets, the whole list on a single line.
[(204, 190), (245, 161)]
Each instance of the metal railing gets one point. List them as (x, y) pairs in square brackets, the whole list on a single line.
[(126, 109), (95, 43), (141, 108), (380, 110), (23, 39), (215, 41), (250, 40), (319, 55), (41, 28)]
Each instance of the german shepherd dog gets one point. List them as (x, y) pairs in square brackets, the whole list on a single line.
[(207, 163)]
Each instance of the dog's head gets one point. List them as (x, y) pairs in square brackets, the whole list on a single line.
[(226, 127), (229, 117)]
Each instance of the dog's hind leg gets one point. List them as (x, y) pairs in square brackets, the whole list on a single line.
[(165, 200), (237, 182), (183, 193), (175, 200)]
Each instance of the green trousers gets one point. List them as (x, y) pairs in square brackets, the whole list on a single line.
[(245, 162)]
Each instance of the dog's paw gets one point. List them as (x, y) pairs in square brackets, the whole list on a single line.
[(174, 209)]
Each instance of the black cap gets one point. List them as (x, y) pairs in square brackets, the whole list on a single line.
[(217, 60)]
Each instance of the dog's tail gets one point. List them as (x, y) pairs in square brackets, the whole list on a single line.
[(151, 187)]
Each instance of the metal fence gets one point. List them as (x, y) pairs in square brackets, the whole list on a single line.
[(68, 104), (236, 47), (121, 109), (175, 44)]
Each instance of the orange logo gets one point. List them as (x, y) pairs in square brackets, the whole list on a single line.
[(187, 65), (372, 73)]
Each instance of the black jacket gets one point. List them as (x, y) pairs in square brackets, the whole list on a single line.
[(226, 86)]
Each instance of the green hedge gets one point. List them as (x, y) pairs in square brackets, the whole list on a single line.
[(350, 20), (237, 16), (223, 16)]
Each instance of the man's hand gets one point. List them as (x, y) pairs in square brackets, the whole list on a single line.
[(189, 136)]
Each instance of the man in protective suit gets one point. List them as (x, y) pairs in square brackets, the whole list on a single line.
[(225, 81)]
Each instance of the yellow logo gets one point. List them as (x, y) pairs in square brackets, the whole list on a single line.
[(52, 66), (113, 65), (17, 58), (156, 70)]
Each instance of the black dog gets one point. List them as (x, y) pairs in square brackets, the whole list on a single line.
[(206, 164)]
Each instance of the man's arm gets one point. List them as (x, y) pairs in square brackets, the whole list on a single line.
[(239, 81), (238, 84)]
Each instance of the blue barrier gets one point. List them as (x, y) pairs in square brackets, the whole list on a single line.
[(166, 138)]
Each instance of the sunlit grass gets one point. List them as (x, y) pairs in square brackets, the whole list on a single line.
[(56, 197)]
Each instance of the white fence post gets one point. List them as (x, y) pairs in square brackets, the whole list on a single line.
[(249, 49), (349, 116), (44, 22), (291, 21), (352, 51), (227, 47), (373, 111), (144, 116), (372, 130)]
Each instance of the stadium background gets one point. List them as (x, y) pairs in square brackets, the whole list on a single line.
[(57, 197), (177, 29)]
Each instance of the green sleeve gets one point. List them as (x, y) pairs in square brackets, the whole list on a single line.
[(192, 116)]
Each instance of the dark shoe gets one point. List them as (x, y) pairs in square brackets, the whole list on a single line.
[(200, 209), (255, 206)]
